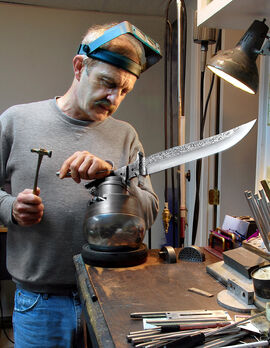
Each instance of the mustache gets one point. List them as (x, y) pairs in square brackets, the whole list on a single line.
[(106, 103)]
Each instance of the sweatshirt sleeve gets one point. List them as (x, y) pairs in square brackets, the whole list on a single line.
[(6, 199), (6, 203), (142, 188)]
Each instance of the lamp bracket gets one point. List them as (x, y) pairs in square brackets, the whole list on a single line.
[(265, 50)]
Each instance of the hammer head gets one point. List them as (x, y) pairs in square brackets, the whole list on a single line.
[(42, 152)]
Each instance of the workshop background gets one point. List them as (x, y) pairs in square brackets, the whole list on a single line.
[(38, 42)]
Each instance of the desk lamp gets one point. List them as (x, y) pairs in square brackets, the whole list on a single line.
[(238, 66)]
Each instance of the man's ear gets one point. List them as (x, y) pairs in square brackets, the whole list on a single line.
[(78, 66)]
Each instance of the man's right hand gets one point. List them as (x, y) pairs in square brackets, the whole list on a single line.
[(28, 208)]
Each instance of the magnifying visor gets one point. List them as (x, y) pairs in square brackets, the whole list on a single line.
[(151, 48)]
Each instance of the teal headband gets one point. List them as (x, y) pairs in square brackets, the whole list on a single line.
[(151, 48)]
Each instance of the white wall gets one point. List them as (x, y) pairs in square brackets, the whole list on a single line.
[(238, 165)]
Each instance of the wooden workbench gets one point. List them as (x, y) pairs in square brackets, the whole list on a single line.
[(109, 295)]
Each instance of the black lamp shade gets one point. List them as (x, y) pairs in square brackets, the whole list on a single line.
[(238, 65), (237, 68)]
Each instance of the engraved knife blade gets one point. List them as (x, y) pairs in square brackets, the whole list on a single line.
[(178, 155)]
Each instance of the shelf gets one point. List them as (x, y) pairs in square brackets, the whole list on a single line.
[(232, 14)]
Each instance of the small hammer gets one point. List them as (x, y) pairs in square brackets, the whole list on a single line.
[(41, 153)]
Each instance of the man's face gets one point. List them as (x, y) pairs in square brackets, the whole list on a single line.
[(101, 90)]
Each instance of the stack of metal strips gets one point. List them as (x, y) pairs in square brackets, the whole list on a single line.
[(175, 324), (176, 336), (158, 338), (259, 205)]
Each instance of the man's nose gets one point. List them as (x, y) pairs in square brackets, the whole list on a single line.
[(114, 97)]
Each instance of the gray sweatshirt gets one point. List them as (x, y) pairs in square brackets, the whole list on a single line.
[(40, 256)]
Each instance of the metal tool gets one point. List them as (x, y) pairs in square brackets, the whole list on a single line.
[(198, 339), (171, 331), (112, 209), (168, 254), (263, 212), (265, 204), (190, 314), (68, 175), (260, 216), (178, 155), (241, 291), (191, 254), (266, 188), (148, 339), (41, 153), (183, 321), (251, 344)]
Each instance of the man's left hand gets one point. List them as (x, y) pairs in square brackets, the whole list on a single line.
[(84, 165)]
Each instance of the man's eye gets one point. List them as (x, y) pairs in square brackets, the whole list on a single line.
[(124, 91), (109, 84)]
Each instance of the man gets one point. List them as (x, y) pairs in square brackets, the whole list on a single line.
[(45, 229)]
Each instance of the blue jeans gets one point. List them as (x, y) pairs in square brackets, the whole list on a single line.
[(47, 321)]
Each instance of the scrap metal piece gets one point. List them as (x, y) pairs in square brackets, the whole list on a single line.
[(200, 292)]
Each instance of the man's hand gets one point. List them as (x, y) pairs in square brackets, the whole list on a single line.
[(84, 165), (28, 208)]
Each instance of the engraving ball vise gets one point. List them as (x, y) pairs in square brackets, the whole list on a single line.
[(114, 218), (114, 226)]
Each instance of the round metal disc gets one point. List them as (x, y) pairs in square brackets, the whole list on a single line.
[(192, 254), (168, 254), (114, 258)]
